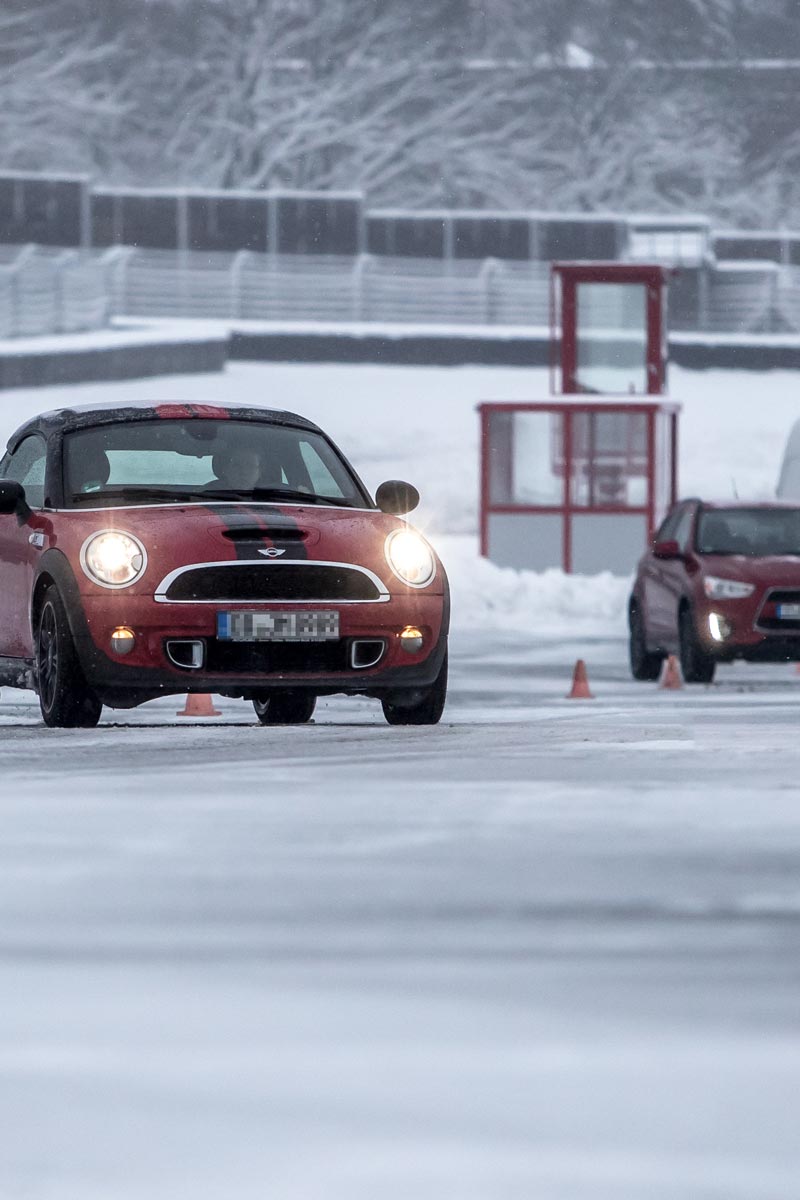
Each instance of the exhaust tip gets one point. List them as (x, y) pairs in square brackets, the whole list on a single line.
[(366, 652), (186, 653)]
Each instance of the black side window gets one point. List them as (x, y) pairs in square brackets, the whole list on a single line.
[(27, 466)]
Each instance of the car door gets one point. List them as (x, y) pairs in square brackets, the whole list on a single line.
[(20, 547), (674, 578), (654, 585)]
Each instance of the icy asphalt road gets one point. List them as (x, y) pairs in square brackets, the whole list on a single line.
[(549, 950)]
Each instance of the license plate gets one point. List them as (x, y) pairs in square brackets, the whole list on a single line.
[(277, 626), (789, 612)]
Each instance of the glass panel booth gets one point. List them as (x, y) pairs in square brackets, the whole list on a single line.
[(575, 484)]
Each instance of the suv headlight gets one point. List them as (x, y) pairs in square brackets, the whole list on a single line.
[(410, 557), (726, 589), (113, 559)]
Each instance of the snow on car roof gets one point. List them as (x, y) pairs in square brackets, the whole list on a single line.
[(83, 416)]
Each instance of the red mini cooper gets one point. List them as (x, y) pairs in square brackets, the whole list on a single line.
[(721, 581), (185, 548)]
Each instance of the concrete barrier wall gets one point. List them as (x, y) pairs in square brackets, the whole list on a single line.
[(106, 363), (166, 357)]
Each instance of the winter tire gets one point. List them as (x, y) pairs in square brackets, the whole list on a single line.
[(644, 665), (65, 698), (427, 711), (285, 708), (697, 665)]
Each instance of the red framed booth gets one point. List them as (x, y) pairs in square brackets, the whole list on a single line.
[(576, 485), (608, 328), (581, 481)]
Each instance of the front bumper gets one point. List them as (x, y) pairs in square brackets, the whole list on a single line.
[(248, 669), (751, 631)]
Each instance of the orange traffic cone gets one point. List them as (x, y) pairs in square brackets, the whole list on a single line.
[(671, 675), (198, 704), (580, 683)]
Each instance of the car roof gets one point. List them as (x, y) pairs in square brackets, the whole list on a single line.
[(767, 505), (87, 416)]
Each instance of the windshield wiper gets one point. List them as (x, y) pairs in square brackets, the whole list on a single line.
[(131, 493), (194, 494), (273, 493)]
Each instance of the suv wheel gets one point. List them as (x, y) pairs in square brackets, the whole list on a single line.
[(644, 665), (697, 665)]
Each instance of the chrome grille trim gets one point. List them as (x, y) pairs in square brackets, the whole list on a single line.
[(161, 597)]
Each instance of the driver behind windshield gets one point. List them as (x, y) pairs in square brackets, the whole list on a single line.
[(245, 469)]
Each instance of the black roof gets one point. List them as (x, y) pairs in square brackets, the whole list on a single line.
[(87, 416)]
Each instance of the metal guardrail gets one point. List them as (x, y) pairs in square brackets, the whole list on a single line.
[(259, 287), (55, 291), (735, 298), (44, 291)]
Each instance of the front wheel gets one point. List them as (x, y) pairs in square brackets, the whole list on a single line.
[(697, 665), (644, 665), (285, 708), (428, 710), (65, 698)]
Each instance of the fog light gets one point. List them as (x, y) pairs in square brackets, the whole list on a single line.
[(411, 639), (718, 627), (122, 640)]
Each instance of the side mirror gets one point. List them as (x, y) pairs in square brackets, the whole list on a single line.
[(12, 496), (396, 497), (667, 550)]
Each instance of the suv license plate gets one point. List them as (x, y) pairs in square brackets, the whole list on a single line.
[(789, 612), (278, 626)]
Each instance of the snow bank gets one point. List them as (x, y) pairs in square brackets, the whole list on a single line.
[(550, 603)]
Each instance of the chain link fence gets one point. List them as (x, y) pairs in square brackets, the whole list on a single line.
[(60, 291), (728, 297), (46, 291)]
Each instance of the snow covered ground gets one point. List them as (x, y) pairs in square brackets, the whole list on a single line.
[(548, 949)]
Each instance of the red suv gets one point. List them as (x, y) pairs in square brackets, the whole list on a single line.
[(720, 581)]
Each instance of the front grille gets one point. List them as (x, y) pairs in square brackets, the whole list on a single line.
[(268, 581), (277, 658), (768, 618)]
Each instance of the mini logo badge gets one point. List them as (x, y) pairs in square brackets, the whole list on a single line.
[(272, 552)]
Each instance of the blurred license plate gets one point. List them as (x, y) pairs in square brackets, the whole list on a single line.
[(789, 612), (278, 626)]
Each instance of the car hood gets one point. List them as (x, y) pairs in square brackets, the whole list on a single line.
[(180, 535), (769, 571)]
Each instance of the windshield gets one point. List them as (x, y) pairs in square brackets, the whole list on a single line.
[(755, 532), (204, 459)]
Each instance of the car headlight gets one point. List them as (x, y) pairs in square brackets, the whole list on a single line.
[(410, 557), (113, 559), (726, 589)]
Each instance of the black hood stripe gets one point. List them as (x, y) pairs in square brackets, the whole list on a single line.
[(266, 523)]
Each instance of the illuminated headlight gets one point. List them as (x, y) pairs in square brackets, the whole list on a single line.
[(113, 559), (718, 627), (726, 589), (410, 557)]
